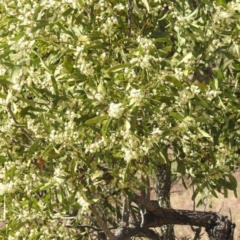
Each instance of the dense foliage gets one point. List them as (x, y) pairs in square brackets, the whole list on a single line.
[(95, 93)]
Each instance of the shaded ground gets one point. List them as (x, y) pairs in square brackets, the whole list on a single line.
[(181, 199)]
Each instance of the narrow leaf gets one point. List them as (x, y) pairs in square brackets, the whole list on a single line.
[(145, 2), (205, 134), (96, 119), (47, 149), (119, 67), (34, 146)]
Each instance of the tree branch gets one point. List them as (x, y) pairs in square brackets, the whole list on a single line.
[(101, 223), (217, 226)]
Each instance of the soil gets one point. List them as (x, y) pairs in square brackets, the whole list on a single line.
[(181, 199)]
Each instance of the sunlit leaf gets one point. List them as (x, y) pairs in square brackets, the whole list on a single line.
[(96, 120), (145, 2), (119, 67)]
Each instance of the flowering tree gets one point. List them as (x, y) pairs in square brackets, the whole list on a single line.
[(99, 96)]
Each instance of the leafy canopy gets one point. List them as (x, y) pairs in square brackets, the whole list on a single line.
[(94, 93)]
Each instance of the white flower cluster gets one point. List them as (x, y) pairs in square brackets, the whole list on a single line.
[(115, 110), (96, 146), (195, 89), (84, 66), (6, 188), (145, 44), (136, 97), (210, 94), (184, 96), (58, 176), (131, 146), (84, 204), (99, 96), (107, 27), (144, 61), (119, 7), (185, 124)]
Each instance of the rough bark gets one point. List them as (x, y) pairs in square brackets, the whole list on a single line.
[(217, 226), (163, 188)]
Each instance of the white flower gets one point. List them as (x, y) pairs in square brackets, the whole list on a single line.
[(186, 123), (210, 94), (83, 203), (136, 97), (119, 7), (145, 43), (99, 97), (115, 110), (195, 89), (156, 131), (129, 154), (184, 96), (6, 188)]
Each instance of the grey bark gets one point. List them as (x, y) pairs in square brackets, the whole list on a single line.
[(163, 188)]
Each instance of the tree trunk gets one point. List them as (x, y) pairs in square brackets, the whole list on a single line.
[(163, 187)]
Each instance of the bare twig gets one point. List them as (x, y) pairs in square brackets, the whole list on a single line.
[(125, 214), (221, 208), (130, 9), (101, 223)]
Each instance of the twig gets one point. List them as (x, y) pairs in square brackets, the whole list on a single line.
[(221, 208), (125, 214), (196, 230), (101, 223), (130, 9)]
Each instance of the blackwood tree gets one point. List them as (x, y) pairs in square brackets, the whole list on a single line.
[(104, 102)]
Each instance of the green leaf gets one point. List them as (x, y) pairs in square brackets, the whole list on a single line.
[(68, 64), (14, 73), (47, 149), (4, 81), (105, 127), (213, 193), (44, 123), (181, 167), (198, 190), (204, 134), (40, 24), (233, 181), (34, 146), (68, 12), (43, 63), (145, 2), (184, 184), (162, 158), (54, 84), (127, 172), (96, 119), (207, 2), (203, 102), (29, 102), (185, 59), (119, 67), (176, 115), (175, 81), (19, 36), (225, 192), (222, 3)]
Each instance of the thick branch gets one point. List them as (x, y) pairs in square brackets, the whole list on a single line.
[(215, 224)]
